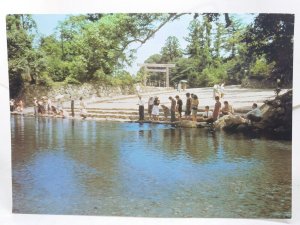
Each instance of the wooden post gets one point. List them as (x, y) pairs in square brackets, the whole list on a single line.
[(167, 77)]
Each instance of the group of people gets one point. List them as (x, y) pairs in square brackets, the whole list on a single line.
[(153, 108), (192, 108), (16, 106), (47, 106)]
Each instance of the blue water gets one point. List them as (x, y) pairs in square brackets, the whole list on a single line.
[(65, 166)]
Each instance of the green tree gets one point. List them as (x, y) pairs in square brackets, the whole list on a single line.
[(272, 35), (24, 62), (104, 42), (171, 50)]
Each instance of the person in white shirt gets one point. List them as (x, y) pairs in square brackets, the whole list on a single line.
[(150, 107), (141, 104), (222, 90), (207, 115), (35, 106), (255, 114)]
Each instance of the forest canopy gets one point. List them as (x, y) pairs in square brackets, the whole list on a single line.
[(99, 47)]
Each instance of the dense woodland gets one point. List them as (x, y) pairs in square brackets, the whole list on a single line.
[(98, 47)]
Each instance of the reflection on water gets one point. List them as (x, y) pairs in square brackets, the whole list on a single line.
[(105, 168)]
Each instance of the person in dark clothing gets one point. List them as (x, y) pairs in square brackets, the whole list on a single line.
[(141, 104), (179, 106), (173, 108), (188, 105), (72, 107)]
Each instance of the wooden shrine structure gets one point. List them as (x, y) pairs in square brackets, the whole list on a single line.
[(154, 67)]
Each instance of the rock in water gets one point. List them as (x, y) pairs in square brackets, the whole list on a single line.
[(229, 121), (188, 123)]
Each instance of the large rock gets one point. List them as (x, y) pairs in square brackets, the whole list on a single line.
[(229, 121), (277, 115), (188, 123)]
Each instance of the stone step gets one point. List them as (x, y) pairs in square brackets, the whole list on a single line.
[(109, 110), (123, 117), (115, 115), (135, 111), (110, 116)]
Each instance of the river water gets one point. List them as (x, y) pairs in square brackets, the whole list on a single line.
[(63, 166)]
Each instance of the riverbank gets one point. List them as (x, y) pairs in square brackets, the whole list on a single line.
[(124, 109)]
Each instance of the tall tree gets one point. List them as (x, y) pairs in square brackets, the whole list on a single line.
[(272, 35), (171, 50), (22, 58)]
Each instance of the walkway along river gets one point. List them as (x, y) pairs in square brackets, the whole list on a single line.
[(127, 169)]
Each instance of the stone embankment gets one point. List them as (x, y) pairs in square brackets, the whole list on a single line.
[(86, 91)]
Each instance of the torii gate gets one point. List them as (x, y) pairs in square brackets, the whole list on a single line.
[(154, 67)]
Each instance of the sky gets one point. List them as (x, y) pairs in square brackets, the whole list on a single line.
[(47, 23)]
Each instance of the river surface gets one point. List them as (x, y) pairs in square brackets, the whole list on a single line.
[(63, 166)]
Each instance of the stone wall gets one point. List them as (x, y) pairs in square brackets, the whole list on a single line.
[(86, 91)]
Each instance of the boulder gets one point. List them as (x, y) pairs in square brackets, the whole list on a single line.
[(229, 121), (277, 115), (188, 124)]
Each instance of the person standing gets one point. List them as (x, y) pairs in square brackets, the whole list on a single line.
[(12, 105), (215, 90), (35, 106), (141, 104), (60, 107), (155, 110), (72, 106), (179, 87), (150, 107), (188, 106), (83, 111), (45, 104), (20, 106), (173, 108), (179, 106), (195, 104), (222, 90), (217, 108), (49, 106)]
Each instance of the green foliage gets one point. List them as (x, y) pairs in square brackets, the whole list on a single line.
[(272, 35), (20, 36), (45, 80), (171, 51), (123, 78), (71, 80), (212, 75), (96, 47), (119, 78), (261, 69)]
